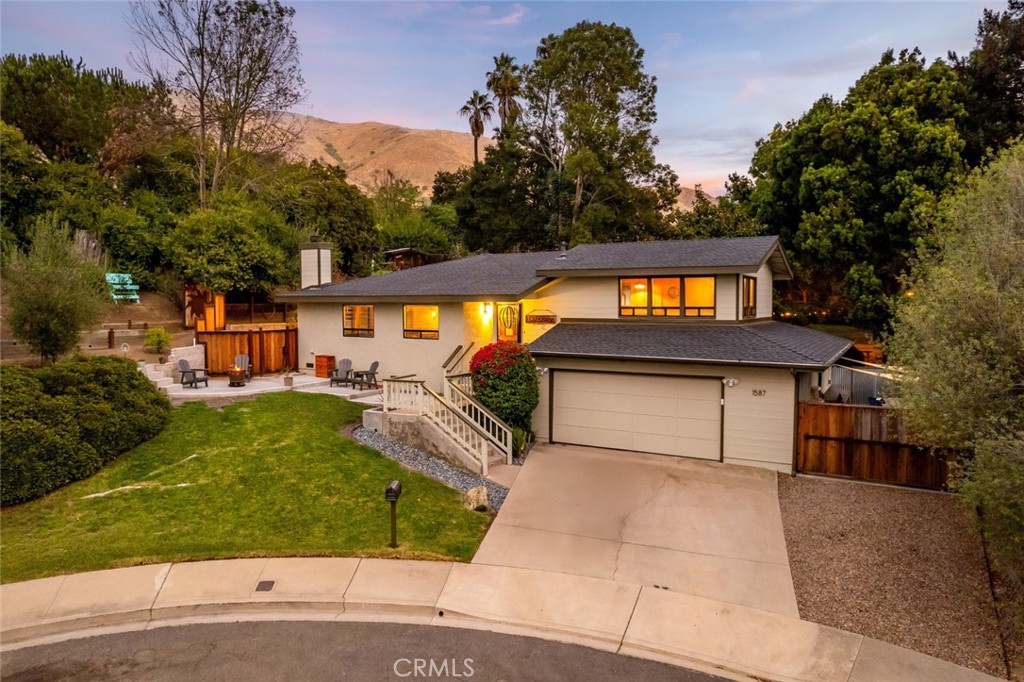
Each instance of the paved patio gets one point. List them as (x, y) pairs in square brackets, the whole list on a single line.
[(218, 388), (701, 528)]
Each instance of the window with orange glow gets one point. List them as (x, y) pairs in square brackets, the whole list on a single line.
[(665, 296), (357, 320), (420, 322), (633, 296), (699, 296), (749, 296)]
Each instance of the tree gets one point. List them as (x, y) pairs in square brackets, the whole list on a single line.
[(589, 111), (236, 67), (505, 83), (52, 293), (959, 341), (478, 108), (854, 185), (234, 246), (62, 107), (714, 219), (993, 75), (394, 197), (22, 188)]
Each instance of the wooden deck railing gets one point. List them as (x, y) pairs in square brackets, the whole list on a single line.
[(458, 390), (414, 395)]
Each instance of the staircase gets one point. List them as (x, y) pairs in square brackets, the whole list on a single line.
[(471, 441), (162, 376)]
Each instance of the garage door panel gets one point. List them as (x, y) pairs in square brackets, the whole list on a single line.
[(599, 438), (602, 419), (664, 415), (660, 406)]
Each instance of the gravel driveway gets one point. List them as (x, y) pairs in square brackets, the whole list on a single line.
[(900, 565)]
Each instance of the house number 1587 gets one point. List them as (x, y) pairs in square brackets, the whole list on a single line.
[(759, 392)]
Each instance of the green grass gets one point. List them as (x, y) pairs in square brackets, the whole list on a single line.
[(269, 477)]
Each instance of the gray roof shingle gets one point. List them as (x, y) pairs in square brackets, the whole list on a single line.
[(739, 252), (505, 275), (758, 343)]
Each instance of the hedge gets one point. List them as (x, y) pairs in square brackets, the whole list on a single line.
[(64, 422)]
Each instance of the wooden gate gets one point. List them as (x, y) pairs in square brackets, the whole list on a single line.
[(866, 443), (269, 350)]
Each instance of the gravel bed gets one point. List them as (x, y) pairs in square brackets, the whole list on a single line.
[(900, 565), (431, 466)]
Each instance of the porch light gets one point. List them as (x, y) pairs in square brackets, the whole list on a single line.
[(486, 311)]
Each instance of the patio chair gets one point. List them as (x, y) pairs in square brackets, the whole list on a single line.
[(342, 374), (191, 376), (242, 360), (366, 377)]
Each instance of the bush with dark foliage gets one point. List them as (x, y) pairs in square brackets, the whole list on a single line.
[(64, 422)]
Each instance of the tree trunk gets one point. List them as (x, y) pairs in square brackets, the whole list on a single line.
[(476, 149), (577, 199)]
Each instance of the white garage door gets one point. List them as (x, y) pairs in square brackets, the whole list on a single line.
[(664, 415)]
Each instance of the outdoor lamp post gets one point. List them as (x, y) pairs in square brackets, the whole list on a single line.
[(391, 494)]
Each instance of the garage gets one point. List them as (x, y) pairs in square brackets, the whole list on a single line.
[(665, 415)]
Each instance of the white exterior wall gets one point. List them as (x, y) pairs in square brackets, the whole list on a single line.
[(764, 291), (726, 292), (759, 416), (320, 333)]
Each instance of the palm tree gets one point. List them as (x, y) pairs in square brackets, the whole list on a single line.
[(506, 84), (479, 109)]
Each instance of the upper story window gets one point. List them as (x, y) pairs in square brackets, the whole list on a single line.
[(667, 297), (357, 320), (420, 322), (749, 296)]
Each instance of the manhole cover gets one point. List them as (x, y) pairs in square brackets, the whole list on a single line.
[(265, 586)]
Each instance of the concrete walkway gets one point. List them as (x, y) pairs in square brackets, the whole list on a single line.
[(693, 632), (703, 528)]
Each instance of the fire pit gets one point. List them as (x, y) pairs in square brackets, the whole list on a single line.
[(236, 376)]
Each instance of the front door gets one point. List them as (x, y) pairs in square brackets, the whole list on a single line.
[(507, 320)]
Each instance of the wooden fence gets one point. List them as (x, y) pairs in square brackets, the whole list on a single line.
[(866, 443), (269, 350)]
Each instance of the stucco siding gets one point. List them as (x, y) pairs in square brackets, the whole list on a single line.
[(759, 412), (594, 298), (320, 333)]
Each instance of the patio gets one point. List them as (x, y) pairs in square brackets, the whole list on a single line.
[(219, 388)]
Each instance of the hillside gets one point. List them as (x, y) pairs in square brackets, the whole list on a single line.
[(367, 148), (363, 149)]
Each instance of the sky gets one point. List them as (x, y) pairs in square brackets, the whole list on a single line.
[(727, 72)]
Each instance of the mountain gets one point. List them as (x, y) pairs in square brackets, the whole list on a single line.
[(364, 149)]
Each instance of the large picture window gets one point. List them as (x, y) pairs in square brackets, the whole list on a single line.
[(749, 296), (357, 320), (667, 297), (420, 322)]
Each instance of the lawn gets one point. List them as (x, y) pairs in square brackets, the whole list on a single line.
[(269, 477)]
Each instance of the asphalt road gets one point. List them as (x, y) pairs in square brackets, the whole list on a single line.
[(315, 651)]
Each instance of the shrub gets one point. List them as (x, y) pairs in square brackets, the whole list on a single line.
[(62, 423), (158, 340), (505, 381)]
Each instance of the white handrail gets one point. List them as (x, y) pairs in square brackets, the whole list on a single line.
[(414, 395), (498, 432)]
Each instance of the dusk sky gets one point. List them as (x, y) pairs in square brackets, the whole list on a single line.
[(726, 72)]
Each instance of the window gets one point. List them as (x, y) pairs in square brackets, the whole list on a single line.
[(667, 296), (420, 322), (357, 320), (749, 296), (699, 296)]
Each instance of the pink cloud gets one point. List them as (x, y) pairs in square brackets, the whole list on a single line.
[(513, 18)]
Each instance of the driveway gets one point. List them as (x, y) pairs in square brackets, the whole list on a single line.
[(702, 528)]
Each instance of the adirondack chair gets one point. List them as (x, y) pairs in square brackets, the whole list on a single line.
[(366, 377), (191, 376), (242, 360), (342, 374)]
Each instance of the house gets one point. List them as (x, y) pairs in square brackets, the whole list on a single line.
[(657, 347)]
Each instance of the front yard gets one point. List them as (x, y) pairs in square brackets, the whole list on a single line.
[(900, 565), (269, 477)]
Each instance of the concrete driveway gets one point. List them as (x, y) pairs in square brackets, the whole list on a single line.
[(701, 528)]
